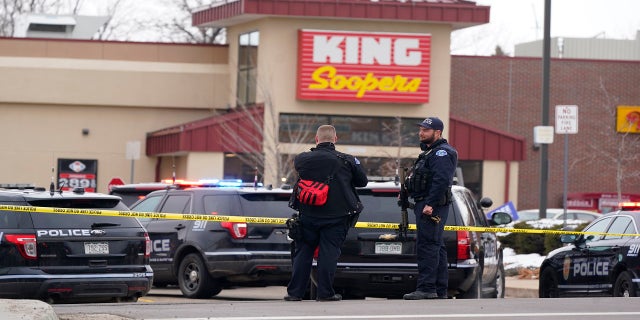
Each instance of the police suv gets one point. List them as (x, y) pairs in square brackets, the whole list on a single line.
[(59, 257), (204, 257), (604, 264), (382, 262)]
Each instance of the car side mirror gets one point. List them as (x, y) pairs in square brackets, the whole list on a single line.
[(568, 238), (498, 218), (486, 202)]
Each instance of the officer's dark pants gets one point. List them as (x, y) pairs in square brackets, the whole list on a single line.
[(432, 254), (327, 234)]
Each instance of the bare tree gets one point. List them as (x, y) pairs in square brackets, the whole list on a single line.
[(262, 138), (11, 11), (620, 152), (174, 26)]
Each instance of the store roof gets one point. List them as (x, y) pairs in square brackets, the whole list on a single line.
[(211, 134), (458, 13), (475, 142)]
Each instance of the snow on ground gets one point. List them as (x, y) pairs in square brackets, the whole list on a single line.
[(513, 261)]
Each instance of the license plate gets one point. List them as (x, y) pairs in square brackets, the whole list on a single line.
[(388, 248), (96, 248)]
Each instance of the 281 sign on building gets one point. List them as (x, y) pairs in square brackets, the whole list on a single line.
[(363, 67)]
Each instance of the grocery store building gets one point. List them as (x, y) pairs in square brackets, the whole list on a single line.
[(83, 112)]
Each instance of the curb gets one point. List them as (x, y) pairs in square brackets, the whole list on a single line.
[(520, 293), (25, 309)]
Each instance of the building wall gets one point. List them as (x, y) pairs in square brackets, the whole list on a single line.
[(277, 76), (493, 181), (50, 90), (506, 93), (202, 165)]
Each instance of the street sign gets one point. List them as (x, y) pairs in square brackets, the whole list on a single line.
[(543, 134), (133, 150), (566, 119)]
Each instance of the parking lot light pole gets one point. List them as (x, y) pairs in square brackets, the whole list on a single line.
[(544, 164)]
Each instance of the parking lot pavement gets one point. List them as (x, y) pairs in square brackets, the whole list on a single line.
[(38, 310), (521, 288)]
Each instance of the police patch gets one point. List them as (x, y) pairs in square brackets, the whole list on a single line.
[(441, 153)]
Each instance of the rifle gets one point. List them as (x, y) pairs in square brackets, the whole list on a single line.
[(403, 202)]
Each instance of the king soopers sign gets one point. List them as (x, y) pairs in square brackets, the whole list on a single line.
[(357, 66)]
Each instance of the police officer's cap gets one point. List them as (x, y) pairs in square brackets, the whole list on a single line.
[(432, 123)]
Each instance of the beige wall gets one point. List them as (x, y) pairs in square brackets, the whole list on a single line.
[(494, 175), (203, 165), (37, 135), (277, 75), (52, 89)]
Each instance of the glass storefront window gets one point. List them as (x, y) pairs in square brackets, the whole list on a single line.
[(247, 67), (355, 130)]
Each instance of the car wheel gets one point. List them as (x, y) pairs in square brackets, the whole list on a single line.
[(548, 285), (475, 291), (624, 286), (194, 279), (500, 282)]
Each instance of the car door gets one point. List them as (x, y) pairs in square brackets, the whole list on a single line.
[(575, 265), (166, 234), (488, 240), (605, 253)]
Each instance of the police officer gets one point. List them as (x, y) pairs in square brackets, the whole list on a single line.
[(324, 226), (429, 185)]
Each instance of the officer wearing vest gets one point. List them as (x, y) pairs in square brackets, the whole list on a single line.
[(324, 227), (429, 184)]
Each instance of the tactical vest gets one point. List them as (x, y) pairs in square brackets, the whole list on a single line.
[(418, 179)]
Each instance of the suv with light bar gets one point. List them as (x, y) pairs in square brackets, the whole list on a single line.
[(132, 192), (203, 257), (56, 257), (382, 263)]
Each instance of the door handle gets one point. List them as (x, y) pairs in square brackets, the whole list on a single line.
[(180, 227)]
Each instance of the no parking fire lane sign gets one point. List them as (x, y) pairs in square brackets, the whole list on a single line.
[(566, 119)]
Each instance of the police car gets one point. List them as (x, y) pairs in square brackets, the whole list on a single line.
[(604, 264), (203, 257), (57, 257), (382, 262)]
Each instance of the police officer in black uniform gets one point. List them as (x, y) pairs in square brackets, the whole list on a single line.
[(429, 184), (324, 226)]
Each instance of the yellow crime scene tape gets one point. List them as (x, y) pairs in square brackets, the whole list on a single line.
[(266, 220)]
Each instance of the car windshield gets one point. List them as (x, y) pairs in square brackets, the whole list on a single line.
[(266, 205), (526, 215), (381, 206), (47, 220)]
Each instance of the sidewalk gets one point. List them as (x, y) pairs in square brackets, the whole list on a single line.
[(521, 288), (26, 310)]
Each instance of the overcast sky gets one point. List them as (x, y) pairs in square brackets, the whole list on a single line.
[(516, 21), (511, 22)]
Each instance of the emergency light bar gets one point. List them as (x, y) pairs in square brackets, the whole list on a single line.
[(220, 183), (629, 205)]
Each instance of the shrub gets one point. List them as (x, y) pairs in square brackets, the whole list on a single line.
[(525, 243)]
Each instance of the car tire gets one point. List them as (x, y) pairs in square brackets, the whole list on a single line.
[(548, 285), (624, 286), (500, 282), (475, 291), (194, 279)]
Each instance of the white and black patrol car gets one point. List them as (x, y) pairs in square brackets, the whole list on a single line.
[(58, 257), (203, 257), (596, 265)]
